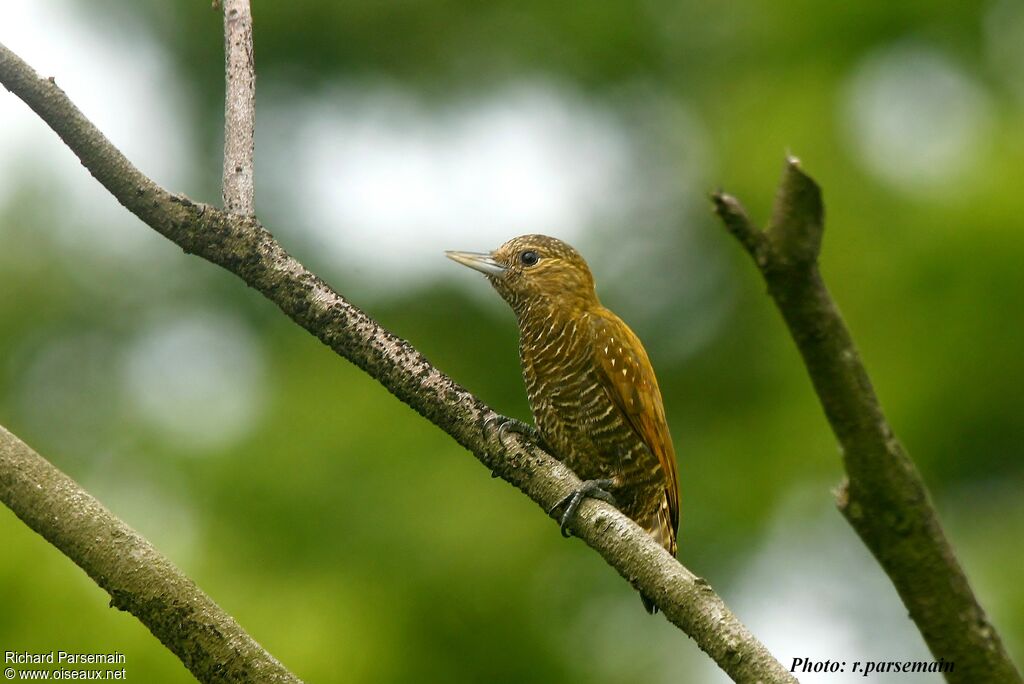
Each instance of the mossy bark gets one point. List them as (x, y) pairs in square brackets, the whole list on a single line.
[(138, 578)]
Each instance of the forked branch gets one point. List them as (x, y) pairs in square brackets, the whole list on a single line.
[(884, 497), (242, 246)]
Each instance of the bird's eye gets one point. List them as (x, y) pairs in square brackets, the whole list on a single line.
[(529, 257)]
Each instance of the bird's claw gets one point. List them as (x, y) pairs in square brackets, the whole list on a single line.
[(514, 425), (595, 489)]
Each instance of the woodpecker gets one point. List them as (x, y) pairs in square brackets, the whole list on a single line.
[(592, 391)]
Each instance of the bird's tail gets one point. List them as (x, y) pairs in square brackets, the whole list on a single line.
[(659, 525)]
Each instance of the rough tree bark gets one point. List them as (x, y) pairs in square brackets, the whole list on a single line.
[(138, 578), (884, 497), (238, 243)]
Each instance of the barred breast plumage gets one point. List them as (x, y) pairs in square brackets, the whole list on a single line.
[(591, 386)]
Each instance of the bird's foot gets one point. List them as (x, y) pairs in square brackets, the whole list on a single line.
[(514, 425), (506, 424), (595, 489)]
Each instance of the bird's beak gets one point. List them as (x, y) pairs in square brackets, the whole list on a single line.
[(478, 261)]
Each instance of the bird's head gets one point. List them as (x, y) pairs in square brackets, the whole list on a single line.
[(535, 270)]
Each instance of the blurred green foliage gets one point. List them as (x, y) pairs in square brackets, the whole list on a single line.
[(359, 543)]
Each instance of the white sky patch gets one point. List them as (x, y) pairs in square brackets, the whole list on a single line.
[(814, 591), (115, 73), (197, 379), (379, 182), (389, 182), (915, 117)]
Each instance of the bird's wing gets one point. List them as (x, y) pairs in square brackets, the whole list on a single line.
[(628, 378)]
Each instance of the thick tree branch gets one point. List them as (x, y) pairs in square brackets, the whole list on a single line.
[(884, 498), (241, 245), (139, 580), (239, 109)]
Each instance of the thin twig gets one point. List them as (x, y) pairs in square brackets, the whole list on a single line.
[(885, 498), (138, 578), (738, 223), (242, 246), (239, 109)]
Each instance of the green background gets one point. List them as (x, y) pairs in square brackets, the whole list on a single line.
[(357, 542)]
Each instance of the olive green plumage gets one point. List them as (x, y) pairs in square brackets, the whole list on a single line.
[(592, 390)]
